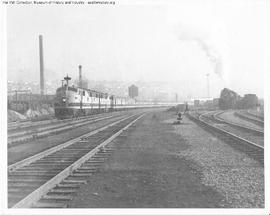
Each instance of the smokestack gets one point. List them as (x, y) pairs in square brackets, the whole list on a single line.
[(41, 65), (80, 76)]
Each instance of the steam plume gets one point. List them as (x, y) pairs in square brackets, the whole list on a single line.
[(185, 34)]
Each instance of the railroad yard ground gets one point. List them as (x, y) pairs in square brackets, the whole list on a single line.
[(229, 116), (161, 165), (24, 150)]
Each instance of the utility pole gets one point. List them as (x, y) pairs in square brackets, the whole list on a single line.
[(207, 79), (16, 93), (80, 76), (41, 63)]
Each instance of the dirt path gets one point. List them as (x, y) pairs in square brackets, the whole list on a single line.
[(147, 172)]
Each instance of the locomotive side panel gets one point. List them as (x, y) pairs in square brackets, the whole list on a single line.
[(72, 102), (75, 101)]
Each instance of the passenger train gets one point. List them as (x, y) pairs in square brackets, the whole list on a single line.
[(73, 101)]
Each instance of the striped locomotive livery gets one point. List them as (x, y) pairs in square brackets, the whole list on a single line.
[(73, 101)]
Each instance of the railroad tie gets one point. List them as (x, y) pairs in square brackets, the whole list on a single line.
[(45, 165), (33, 173), (25, 185), (69, 181), (51, 162), (68, 186), (37, 171), (72, 149), (40, 168), (18, 181), (111, 149), (61, 191), (56, 197), (87, 168), (85, 171), (77, 174), (97, 156), (83, 141), (93, 161), (94, 166), (17, 189), (41, 204)]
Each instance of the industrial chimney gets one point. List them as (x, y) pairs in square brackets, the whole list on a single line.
[(41, 65), (80, 76)]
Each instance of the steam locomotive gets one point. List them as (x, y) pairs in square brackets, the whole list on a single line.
[(73, 101)]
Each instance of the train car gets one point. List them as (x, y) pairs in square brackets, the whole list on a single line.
[(124, 103), (73, 101)]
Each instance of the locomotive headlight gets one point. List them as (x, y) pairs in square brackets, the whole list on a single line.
[(64, 100)]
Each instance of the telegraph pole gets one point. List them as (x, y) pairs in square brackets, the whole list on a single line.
[(41, 65), (207, 79), (80, 76)]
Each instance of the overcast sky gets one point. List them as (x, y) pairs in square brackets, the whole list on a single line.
[(178, 41)]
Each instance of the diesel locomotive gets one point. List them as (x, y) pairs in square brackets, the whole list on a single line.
[(73, 101)]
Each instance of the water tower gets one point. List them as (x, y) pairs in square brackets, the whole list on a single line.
[(133, 91)]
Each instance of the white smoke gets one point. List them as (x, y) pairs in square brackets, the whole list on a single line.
[(185, 34)]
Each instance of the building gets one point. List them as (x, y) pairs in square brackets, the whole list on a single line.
[(133, 91), (196, 103)]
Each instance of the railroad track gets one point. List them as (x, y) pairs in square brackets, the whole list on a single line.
[(28, 123), (29, 134), (252, 149), (16, 126), (249, 118), (51, 178), (260, 117), (217, 117)]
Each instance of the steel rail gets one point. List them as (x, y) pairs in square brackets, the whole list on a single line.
[(255, 115), (236, 137), (40, 155), (29, 131), (217, 117), (257, 151), (28, 135), (245, 117), (26, 124), (37, 194)]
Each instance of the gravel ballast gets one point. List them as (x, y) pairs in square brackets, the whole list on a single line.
[(237, 177), (159, 164), (230, 117), (146, 171)]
